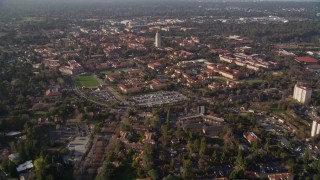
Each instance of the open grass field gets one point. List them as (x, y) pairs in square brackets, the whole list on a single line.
[(86, 81)]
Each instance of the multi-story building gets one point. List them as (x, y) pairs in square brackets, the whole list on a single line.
[(302, 94), (157, 42), (315, 130)]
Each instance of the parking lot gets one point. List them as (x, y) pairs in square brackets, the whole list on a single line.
[(159, 98), (219, 171), (102, 95), (270, 168), (272, 126), (68, 132)]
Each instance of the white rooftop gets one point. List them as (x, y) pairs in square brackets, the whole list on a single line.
[(13, 133), (25, 166)]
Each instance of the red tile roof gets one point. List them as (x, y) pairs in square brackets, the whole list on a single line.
[(251, 137), (280, 176), (306, 60)]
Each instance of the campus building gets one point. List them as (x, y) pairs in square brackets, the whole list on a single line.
[(315, 130), (157, 42), (302, 94)]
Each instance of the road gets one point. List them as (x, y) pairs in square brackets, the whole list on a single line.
[(117, 96), (78, 91)]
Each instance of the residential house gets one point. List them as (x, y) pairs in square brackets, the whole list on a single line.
[(251, 137)]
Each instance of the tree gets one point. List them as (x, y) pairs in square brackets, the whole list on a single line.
[(107, 171), (171, 164), (266, 146), (164, 136), (240, 163), (153, 174), (196, 145), (214, 157), (187, 170), (39, 165), (168, 117), (179, 133), (118, 146), (203, 147), (292, 166), (170, 177), (223, 158), (306, 157), (12, 169), (237, 174), (202, 165), (9, 167), (147, 157)]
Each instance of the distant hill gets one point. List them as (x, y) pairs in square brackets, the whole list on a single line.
[(88, 1), (164, 0)]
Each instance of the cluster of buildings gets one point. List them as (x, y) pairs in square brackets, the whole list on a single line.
[(197, 73), (182, 54), (207, 125), (141, 132), (53, 92), (134, 81), (94, 64), (188, 73), (264, 19), (309, 63), (46, 52), (225, 71), (253, 62), (53, 60), (190, 41), (73, 68), (228, 85)]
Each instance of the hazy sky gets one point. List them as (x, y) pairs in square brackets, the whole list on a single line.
[(88, 1), (156, 0)]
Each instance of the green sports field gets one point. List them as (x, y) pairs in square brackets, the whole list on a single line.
[(86, 81)]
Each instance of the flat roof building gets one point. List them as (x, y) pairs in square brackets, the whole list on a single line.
[(302, 94), (315, 130)]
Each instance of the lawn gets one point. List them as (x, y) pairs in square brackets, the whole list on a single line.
[(40, 113), (221, 79), (106, 72), (87, 81), (254, 81)]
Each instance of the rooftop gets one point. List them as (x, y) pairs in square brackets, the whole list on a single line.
[(306, 59), (25, 166)]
